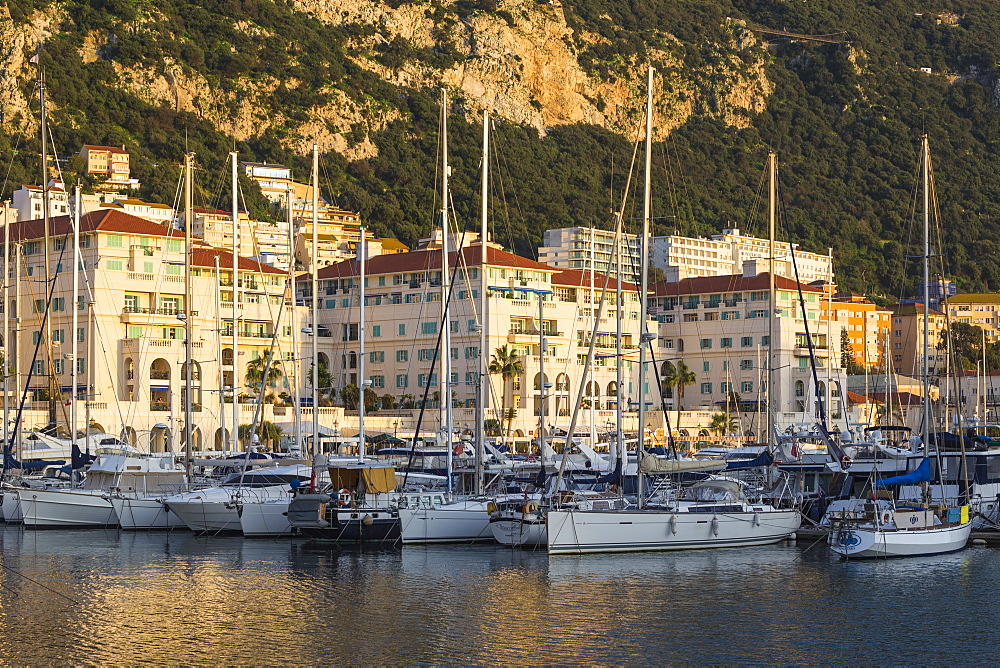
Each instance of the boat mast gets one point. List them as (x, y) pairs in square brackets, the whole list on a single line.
[(76, 314), (188, 431), (619, 355), (925, 420), (772, 210), (296, 407), (218, 352), (7, 345), (361, 339), (644, 282), (314, 284), (46, 338), (481, 403), (445, 351), (234, 435)]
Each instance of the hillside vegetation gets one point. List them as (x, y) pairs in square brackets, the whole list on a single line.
[(269, 76)]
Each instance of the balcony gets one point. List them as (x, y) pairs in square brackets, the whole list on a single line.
[(160, 406)]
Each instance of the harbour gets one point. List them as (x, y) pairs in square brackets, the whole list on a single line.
[(174, 597)]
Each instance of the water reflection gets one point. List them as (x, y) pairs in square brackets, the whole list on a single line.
[(185, 599)]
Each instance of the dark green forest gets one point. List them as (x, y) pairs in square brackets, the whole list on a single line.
[(844, 118)]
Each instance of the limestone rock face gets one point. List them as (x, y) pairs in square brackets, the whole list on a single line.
[(523, 62)]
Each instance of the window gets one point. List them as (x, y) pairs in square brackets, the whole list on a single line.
[(81, 365), (746, 365), (114, 241), (376, 357), (39, 368), (402, 355), (147, 267), (402, 380), (376, 331), (746, 341), (378, 381), (746, 386), (38, 306), (430, 327), (81, 334), (174, 245), (59, 304), (402, 329), (472, 352), (58, 365), (706, 388), (413, 298), (133, 331), (705, 366), (423, 379), (706, 344), (454, 353), (765, 340), (726, 343), (114, 265), (174, 269), (59, 336), (425, 354), (472, 325), (454, 326), (36, 336)]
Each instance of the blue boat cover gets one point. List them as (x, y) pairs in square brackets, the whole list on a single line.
[(921, 474), (763, 459)]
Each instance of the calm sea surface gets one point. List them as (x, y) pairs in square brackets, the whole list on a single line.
[(100, 597)]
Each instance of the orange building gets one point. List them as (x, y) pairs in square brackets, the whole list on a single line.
[(867, 324)]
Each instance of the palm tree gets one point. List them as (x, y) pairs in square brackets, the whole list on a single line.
[(255, 372), (325, 381), (505, 363), (679, 376), (268, 432), (723, 424)]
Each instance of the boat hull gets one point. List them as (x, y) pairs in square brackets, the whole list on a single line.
[(462, 521), (11, 507), (517, 531), (583, 531), (144, 514), (42, 508), (357, 526), (260, 519), (868, 543)]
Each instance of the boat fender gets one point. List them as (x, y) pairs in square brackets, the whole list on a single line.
[(715, 526), (367, 520), (529, 507), (885, 517), (491, 508), (344, 498), (673, 524), (458, 450), (756, 519)]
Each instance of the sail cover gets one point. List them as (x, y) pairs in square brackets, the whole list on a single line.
[(763, 459), (921, 474), (653, 464)]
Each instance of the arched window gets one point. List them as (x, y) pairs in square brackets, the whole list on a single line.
[(800, 388)]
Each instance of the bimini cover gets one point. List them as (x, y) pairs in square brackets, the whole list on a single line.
[(379, 480), (921, 474), (653, 464)]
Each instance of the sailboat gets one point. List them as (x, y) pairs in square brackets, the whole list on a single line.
[(884, 527), (717, 512)]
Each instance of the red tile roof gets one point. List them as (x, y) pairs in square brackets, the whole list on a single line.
[(581, 278), (109, 149), (114, 220), (429, 260), (730, 283), (205, 257), (855, 398)]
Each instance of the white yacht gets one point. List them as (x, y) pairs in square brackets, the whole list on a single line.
[(89, 505), (712, 513), (215, 509)]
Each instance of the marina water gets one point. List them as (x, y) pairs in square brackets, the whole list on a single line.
[(108, 597)]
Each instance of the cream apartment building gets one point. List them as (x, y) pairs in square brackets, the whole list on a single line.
[(403, 320), (128, 348), (719, 327)]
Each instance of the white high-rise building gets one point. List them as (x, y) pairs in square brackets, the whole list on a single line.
[(590, 248), (732, 253)]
